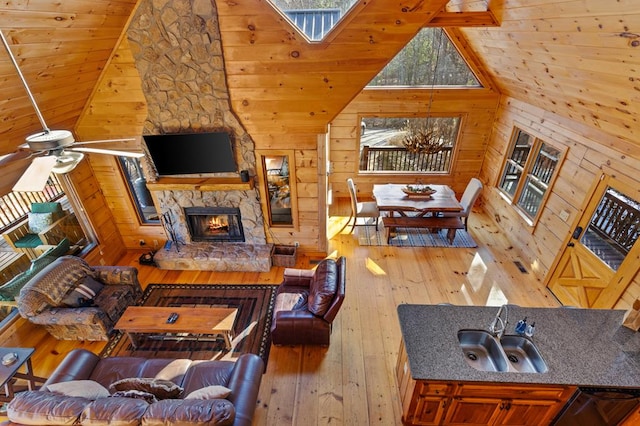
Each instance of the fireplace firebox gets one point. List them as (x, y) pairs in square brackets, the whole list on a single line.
[(212, 224)]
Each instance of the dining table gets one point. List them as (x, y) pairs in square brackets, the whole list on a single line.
[(390, 197), (418, 210)]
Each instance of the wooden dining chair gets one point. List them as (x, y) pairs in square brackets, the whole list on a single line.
[(366, 209), (469, 197)]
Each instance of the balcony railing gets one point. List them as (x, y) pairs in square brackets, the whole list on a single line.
[(393, 158), (617, 221), (15, 206)]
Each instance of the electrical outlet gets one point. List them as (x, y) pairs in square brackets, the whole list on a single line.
[(297, 244), (564, 215), (142, 242)]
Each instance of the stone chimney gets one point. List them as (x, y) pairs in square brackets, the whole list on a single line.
[(177, 49)]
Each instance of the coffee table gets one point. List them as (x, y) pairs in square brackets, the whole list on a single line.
[(10, 372), (138, 320)]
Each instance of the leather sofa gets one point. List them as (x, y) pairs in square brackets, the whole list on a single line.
[(307, 302), (45, 407)]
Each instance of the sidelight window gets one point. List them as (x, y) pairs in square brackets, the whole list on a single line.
[(528, 173)]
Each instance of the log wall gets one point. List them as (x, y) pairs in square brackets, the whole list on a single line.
[(589, 153), (476, 107)]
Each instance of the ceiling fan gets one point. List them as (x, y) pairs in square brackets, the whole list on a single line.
[(56, 150)]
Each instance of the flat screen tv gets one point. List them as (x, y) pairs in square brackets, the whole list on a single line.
[(191, 153)]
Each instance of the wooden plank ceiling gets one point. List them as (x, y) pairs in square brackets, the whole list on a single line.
[(579, 59), (576, 58), (61, 47)]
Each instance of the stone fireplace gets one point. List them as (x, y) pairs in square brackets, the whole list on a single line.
[(178, 54)]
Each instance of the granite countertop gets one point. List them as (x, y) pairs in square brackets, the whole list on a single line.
[(584, 347)]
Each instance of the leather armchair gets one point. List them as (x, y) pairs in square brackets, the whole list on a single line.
[(75, 301), (307, 302)]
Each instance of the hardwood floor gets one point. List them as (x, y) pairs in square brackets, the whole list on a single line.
[(353, 380)]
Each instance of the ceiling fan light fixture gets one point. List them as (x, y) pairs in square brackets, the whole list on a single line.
[(50, 139), (66, 162)]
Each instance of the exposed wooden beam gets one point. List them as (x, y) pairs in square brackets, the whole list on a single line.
[(464, 19)]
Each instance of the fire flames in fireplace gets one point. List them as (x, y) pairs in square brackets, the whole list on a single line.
[(218, 224), (214, 224)]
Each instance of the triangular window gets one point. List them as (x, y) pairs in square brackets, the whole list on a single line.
[(430, 59), (314, 18)]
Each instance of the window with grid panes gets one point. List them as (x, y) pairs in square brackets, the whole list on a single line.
[(528, 173)]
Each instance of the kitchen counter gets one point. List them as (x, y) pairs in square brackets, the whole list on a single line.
[(583, 347)]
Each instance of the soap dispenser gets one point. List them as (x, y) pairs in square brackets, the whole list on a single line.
[(530, 329), (521, 326)]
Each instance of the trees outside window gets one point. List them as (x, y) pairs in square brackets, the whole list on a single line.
[(429, 59)]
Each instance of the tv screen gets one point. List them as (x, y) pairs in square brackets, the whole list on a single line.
[(193, 153)]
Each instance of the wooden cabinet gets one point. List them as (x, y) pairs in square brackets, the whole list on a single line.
[(506, 404), (426, 402)]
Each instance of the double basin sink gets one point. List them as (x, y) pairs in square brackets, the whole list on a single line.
[(510, 353)]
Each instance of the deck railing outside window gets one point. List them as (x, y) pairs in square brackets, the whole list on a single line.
[(15, 206), (393, 158), (614, 228)]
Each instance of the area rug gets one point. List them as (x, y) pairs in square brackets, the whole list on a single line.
[(412, 237), (251, 331)]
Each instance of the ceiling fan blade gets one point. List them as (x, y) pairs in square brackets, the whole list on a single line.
[(36, 176), (105, 141), (109, 152)]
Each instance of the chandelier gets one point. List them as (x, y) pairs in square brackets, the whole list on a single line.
[(427, 140)]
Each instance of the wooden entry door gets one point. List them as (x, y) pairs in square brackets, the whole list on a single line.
[(598, 263)]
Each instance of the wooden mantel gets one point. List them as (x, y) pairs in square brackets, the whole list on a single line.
[(200, 184)]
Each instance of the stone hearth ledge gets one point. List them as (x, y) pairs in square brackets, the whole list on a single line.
[(221, 257)]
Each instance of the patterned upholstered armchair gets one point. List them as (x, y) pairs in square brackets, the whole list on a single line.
[(75, 301)]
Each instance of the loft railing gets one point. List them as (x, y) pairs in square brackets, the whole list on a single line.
[(393, 158), (15, 206)]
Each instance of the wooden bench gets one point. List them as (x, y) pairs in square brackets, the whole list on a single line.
[(451, 224)]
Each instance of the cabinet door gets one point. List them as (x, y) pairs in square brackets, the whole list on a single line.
[(521, 412), (473, 411), (429, 410)]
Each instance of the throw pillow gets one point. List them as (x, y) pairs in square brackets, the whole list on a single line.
[(149, 397), (162, 389), (210, 392), (85, 388), (83, 293), (38, 222)]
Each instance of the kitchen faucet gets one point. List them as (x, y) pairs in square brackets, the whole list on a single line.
[(499, 325)]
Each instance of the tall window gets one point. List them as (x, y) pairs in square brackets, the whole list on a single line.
[(278, 174), (528, 173), (140, 195)]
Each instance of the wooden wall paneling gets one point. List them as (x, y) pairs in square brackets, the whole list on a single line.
[(573, 60), (476, 106), (589, 153), (284, 70), (117, 109), (61, 48), (110, 245)]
